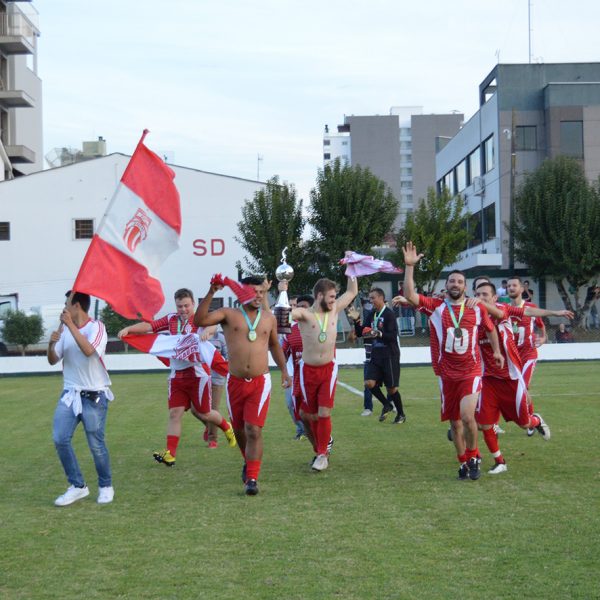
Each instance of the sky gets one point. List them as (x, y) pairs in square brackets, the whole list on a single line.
[(219, 83)]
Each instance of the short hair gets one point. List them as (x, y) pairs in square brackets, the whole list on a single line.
[(305, 298), (322, 286), (378, 291), (504, 281), (479, 278), (252, 280), (456, 271), (80, 298), (515, 277), (184, 293), (489, 284)]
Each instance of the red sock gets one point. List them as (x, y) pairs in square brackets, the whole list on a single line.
[(252, 469), (324, 429), (462, 457), (491, 440), (172, 443), (223, 425), (471, 453), (315, 432), (533, 421)]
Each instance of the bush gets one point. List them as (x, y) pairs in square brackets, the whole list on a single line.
[(22, 329)]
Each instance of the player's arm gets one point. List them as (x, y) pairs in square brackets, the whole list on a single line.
[(53, 357), (277, 354), (490, 307), (492, 336), (208, 333), (138, 328), (300, 314), (346, 298), (411, 258), (266, 286), (84, 344), (531, 311), (203, 318)]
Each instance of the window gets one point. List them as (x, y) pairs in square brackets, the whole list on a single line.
[(344, 143), (84, 229), (5, 231), (474, 165), (489, 222), (461, 176), (571, 138), (448, 182), (488, 154), (526, 137), (326, 142), (474, 228), (405, 172), (327, 156)]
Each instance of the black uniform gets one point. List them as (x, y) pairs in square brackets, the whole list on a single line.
[(384, 364)]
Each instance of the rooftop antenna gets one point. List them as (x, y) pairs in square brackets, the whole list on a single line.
[(529, 26), (258, 161)]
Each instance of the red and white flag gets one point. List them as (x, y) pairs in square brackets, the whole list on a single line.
[(140, 229), (183, 347)]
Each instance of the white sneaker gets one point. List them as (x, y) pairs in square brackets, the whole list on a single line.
[(498, 429), (366, 413), (72, 495), (542, 428), (321, 463), (498, 468), (106, 494)]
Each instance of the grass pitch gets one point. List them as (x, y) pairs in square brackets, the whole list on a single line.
[(387, 520)]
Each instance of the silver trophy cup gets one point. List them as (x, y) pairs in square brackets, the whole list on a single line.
[(283, 309)]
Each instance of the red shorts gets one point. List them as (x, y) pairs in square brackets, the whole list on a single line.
[(248, 399), (528, 368), (452, 392), (506, 397), (190, 391), (318, 386)]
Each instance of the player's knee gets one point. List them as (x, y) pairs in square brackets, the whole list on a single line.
[(253, 432), (369, 383)]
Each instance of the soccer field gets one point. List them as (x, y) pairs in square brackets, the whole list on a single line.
[(388, 519)]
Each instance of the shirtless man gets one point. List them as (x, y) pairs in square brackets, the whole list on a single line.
[(318, 369), (250, 332)]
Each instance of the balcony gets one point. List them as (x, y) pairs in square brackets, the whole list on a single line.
[(20, 154), (17, 34), (15, 99)]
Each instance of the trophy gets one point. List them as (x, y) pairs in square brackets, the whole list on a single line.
[(283, 309)]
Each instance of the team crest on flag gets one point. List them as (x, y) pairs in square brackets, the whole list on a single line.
[(187, 348), (136, 230)]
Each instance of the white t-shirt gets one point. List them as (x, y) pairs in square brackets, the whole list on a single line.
[(80, 371)]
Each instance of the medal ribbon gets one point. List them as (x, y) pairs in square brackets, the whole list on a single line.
[(376, 317), (251, 326), (452, 316), (322, 325)]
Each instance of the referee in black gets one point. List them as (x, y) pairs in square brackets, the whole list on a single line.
[(381, 327)]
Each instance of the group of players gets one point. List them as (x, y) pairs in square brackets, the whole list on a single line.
[(483, 352)]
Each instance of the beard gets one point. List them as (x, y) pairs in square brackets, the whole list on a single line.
[(324, 306), (455, 294)]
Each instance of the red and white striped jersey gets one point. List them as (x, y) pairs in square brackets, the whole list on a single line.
[(523, 329)]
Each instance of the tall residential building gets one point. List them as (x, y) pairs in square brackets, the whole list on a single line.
[(531, 111), (21, 145), (399, 148)]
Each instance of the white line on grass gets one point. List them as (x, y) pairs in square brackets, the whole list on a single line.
[(350, 388)]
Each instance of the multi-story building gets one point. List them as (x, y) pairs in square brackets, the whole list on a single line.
[(399, 148), (21, 145), (528, 112)]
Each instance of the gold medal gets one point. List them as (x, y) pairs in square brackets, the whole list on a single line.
[(252, 335), (322, 337), (458, 332)]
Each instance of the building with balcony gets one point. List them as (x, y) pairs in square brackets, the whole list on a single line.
[(21, 142), (530, 112), (399, 148)]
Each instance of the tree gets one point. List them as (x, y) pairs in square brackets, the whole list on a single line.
[(272, 221), (351, 209), (437, 228), (21, 329), (113, 321), (557, 229)]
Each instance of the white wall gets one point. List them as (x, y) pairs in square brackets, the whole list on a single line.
[(42, 258)]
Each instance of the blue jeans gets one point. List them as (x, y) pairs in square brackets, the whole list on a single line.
[(367, 395), (93, 417), (290, 406)]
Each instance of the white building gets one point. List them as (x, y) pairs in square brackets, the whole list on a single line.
[(21, 145), (50, 217)]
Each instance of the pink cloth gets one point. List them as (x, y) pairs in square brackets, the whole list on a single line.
[(361, 264)]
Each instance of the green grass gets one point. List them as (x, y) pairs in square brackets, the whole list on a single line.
[(387, 520)]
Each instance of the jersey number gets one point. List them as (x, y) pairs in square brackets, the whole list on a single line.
[(456, 344)]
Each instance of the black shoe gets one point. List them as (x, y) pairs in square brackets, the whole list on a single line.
[(244, 473), (251, 487), (474, 469), (463, 472), (400, 419), (389, 407), (449, 434), (329, 445)]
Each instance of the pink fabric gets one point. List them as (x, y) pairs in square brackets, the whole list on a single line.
[(361, 264)]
